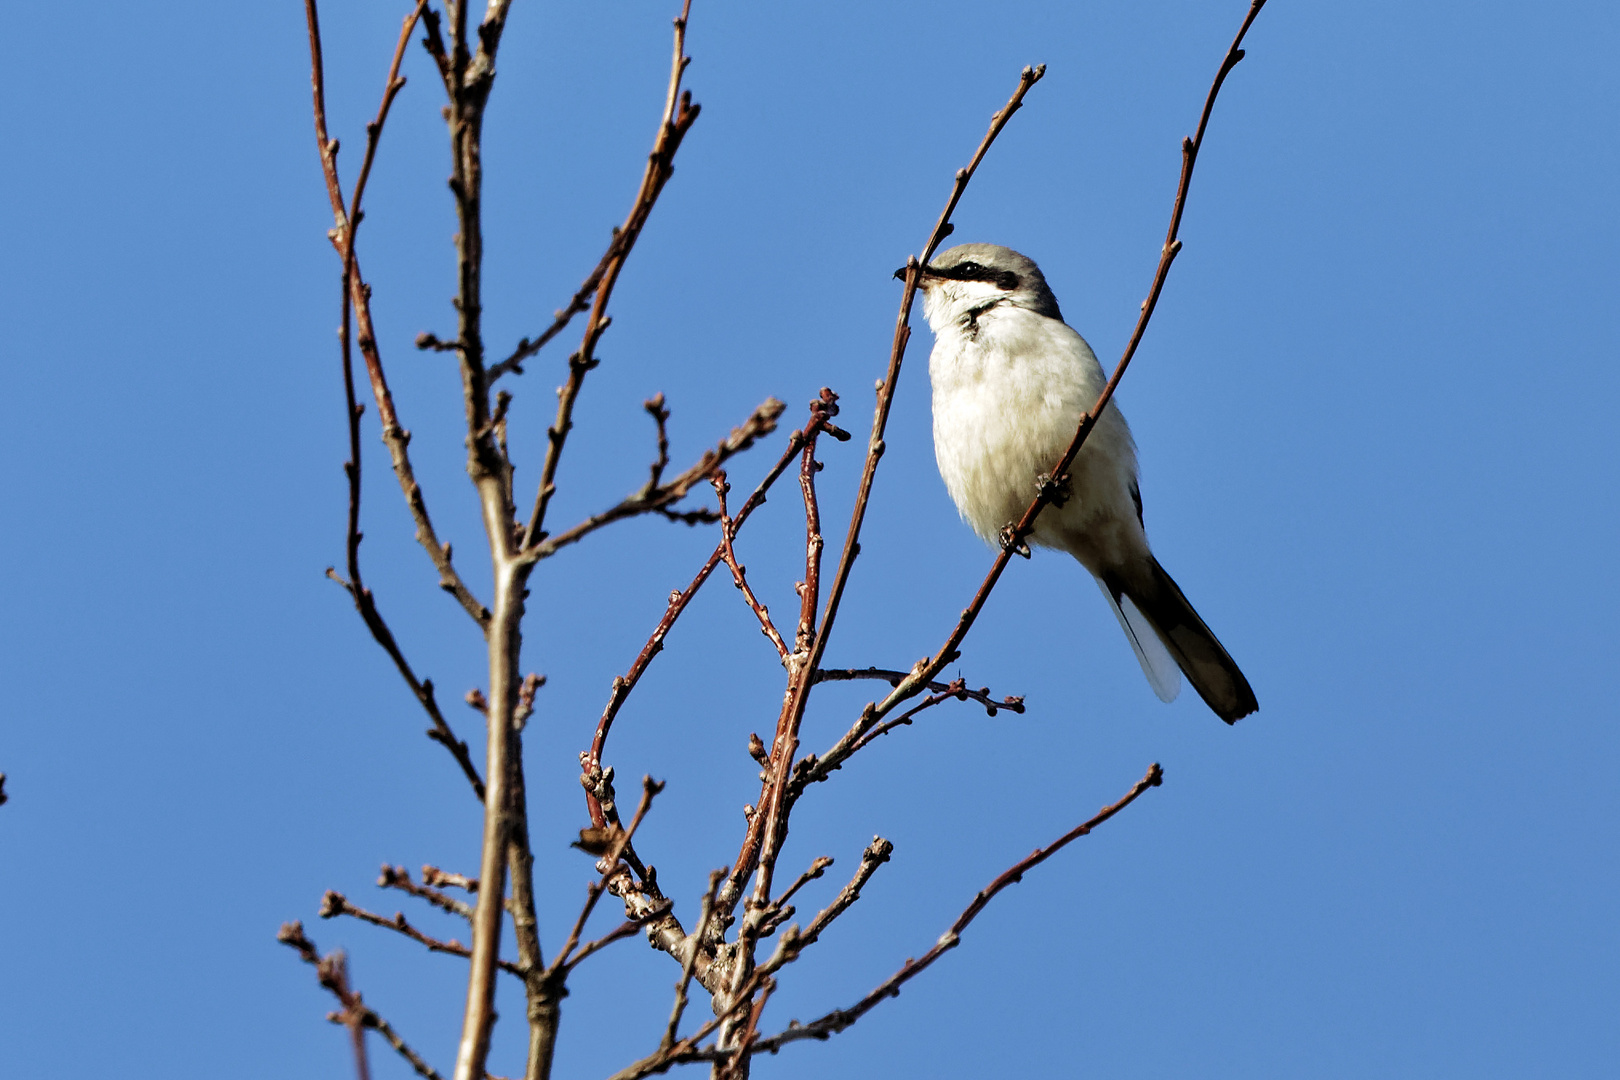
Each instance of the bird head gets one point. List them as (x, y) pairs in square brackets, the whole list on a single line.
[(970, 275)]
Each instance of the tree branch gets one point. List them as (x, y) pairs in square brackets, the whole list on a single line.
[(679, 115), (397, 877), (560, 319), (625, 684), (839, 1019), (692, 948), (332, 972), (982, 695), (356, 298), (902, 334), (739, 577), (335, 903), (775, 796), (610, 865), (656, 497)]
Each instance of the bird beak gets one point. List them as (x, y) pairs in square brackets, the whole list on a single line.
[(922, 276)]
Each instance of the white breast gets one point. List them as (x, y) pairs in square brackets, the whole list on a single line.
[(1009, 390)]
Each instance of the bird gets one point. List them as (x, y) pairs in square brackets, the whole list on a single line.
[(1011, 381)]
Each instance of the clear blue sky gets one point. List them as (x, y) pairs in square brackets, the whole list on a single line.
[(1378, 448)]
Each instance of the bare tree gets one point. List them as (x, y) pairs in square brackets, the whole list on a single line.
[(721, 945)]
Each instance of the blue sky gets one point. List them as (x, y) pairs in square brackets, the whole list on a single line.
[(1375, 417)]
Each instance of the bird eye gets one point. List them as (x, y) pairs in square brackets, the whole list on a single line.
[(969, 269)]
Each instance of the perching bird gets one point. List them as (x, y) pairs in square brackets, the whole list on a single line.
[(1011, 381)]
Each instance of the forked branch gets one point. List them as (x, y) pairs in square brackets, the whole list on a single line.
[(839, 1019), (657, 497), (355, 299), (333, 974), (679, 115)]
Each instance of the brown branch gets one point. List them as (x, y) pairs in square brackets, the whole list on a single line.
[(1055, 479), (656, 497), (659, 411), (678, 601), (504, 844), (736, 1068), (332, 973), (839, 1019), (812, 769), (432, 875), (739, 578), (358, 293), (780, 911), (356, 299), (335, 903), (903, 720), (902, 334), (768, 826), (679, 115), (810, 588), (688, 1050), (876, 854), (610, 865), (764, 829), (560, 319), (644, 903), (693, 947), (982, 695), (794, 941), (397, 877), (625, 929)]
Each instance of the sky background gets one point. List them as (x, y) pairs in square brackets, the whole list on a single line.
[(1375, 413)]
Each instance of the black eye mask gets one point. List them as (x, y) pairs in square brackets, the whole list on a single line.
[(1005, 280)]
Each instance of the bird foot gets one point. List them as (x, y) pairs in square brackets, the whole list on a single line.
[(1010, 541), (1054, 489)]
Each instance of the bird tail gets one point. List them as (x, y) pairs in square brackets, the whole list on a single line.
[(1166, 633)]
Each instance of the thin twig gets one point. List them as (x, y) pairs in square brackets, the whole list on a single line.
[(678, 601), (775, 798), (335, 903), (355, 296), (812, 769), (902, 334), (679, 115), (693, 946), (560, 319), (618, 933), (397, 877), (982, 695), (395, 437), (432, 875), (780, 910), (838, 1020), (656, 497), (739, 573), (795, 941), (902, 720), (768, 826), (659, 411), (610, 864), (332, 972)]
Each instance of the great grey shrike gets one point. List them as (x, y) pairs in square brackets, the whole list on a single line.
[(1011, 381)]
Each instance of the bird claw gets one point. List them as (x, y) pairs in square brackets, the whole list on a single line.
[(1010, 541), (1055, 490)]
